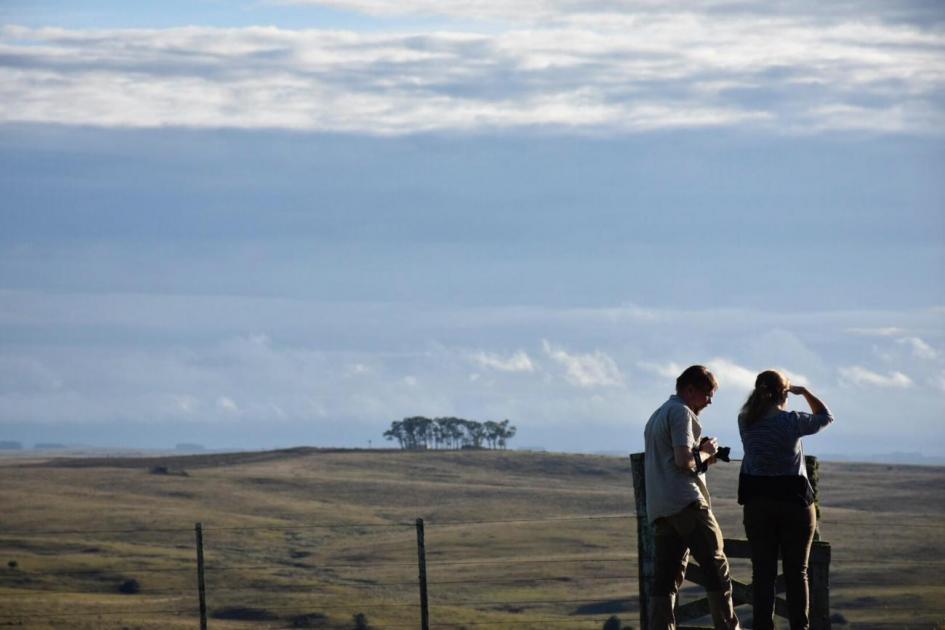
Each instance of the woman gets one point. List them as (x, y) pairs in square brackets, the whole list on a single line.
[(777, 497)]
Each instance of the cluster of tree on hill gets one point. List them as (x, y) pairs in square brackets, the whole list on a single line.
[(419, 432)]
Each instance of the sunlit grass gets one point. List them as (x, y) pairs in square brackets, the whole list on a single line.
[(315, 537)]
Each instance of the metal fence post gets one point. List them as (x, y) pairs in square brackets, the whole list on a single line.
[(422, 561), (201, 587)]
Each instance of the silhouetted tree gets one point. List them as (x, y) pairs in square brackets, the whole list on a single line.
[(490, 431), (424, 430), (418, 432), (396, 432), (439, 432), (506, 432), (454, 431), (415, 431), (474, 432)]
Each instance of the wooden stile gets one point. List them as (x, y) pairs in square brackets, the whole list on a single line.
[(818, 567)]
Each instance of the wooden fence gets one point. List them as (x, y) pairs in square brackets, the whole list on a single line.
[(818, 569)]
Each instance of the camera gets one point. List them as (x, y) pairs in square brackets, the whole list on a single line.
[(722, 453)]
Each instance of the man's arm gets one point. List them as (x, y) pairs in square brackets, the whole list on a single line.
[(683, 440), (686, 459), (683, 458)]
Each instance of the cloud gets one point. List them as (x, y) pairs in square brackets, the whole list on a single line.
[(938, 381), (186, 403), (882, 331), (670, 370), (158, 360), (27, 374), (862, 377), (538, 12), (517, 362), (522, 11), (357, 369), (794, 377), (546, 66), (730, 374), (920, 349), (227, 404), (586, 370)]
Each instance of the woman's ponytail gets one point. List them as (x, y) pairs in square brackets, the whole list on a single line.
[(771, 389)]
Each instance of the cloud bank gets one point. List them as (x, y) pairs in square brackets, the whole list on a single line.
[(517, 362), (184, 360), (594, 369), (613, 67), (863, 377)]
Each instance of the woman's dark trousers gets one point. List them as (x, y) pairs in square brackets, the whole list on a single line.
[(775, 527)]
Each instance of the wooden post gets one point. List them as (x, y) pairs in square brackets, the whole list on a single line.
[(818, 570), (813, 475), (818, 567), (645, 554), (201, 587), (422, 561), (819, 564), (819, 575)]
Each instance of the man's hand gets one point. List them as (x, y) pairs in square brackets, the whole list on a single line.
[(709, 446)]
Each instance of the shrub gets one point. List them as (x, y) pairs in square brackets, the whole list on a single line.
[(13, 564), (309, 620), (244, 613), (612, 623), (361, 622), (164, 470), (129, 587)]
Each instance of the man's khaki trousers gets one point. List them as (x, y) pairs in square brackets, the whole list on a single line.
[(693, 530)]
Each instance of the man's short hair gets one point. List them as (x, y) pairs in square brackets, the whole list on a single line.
[(699, 377)]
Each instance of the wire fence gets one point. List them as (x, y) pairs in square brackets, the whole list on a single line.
[(468, 574)]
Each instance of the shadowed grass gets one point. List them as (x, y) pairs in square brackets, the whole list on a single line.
[(314, 536)]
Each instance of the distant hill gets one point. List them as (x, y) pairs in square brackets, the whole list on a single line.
[(311, 537), (895, 457)]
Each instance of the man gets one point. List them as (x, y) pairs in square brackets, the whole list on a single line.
[(678, 503)]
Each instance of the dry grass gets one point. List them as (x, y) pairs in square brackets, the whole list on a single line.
[(281, 540)]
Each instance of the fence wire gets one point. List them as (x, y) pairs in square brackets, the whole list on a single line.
[(248, 580)]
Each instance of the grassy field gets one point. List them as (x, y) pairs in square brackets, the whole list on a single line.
[(307, 538)]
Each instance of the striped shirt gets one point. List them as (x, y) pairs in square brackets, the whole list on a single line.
[(773, 444)]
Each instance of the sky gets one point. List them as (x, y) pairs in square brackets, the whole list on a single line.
[(251, 224)]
